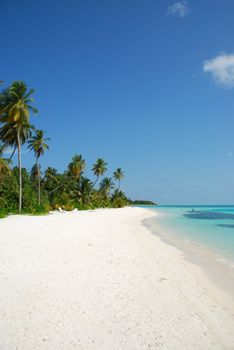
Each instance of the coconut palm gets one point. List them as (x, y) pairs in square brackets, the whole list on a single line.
[(106, 186), (15, 108), (77, 166), (52, 180), (38, 145), (118, 176), (34, 174), (84, 188), (99, 168)]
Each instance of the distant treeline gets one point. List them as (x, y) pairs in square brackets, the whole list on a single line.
[(141, 202)]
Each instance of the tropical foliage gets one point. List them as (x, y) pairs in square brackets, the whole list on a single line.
[(37, 144), (34, 190), (118, 175), (15, 108)]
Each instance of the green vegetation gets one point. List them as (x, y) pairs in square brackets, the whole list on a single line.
[(15, 108), (118, 176), (141, 202), (35, 191), (37, 144), (2, 215)]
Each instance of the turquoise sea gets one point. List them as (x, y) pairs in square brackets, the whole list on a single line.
[(207, 225)]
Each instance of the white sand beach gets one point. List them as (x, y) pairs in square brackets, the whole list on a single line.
[(101, 280)]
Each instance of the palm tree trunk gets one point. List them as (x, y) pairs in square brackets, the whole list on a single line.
[(12, 154), (39, 183), (95, 182), (20, 172), (119, 185), (39, 190), (56, 188)]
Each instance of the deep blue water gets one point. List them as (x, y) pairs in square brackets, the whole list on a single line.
[(211, 226)]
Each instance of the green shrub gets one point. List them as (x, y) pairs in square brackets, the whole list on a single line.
[(2, 214)]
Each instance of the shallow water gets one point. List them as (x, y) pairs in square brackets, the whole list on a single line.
[(210, 226)]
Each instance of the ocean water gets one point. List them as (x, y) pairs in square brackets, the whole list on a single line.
[(209, 226)]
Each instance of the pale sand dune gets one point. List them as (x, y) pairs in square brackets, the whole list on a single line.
[(101, 280)]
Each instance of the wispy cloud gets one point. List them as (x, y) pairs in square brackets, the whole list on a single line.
[(230, 154), (221, 68), (9, 150), (180, 9)]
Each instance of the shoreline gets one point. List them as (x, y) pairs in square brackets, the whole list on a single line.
[(102, 280), (218, 268)]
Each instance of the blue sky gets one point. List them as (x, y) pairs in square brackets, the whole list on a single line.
[(146, 84)]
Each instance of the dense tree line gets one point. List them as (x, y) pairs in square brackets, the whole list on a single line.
[(141, 202), (36, 191)]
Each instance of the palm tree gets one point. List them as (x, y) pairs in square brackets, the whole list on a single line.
[(38, 145), (51, 178), (99, 168), (84, 188), (34, 174), (15, 108), (77, 166), (8, 135), (52, 181), (118, 176), (106, 186), (119, 199)]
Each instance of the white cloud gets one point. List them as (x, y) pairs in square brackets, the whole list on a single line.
[(221, 68), (9, 150), (180, 9)]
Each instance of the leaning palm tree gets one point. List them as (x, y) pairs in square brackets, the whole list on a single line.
[(99, 168), (106, 186), (77, 166), (118, 176), (15, 108), (38, 145)]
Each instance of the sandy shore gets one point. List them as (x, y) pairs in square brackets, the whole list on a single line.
[(102, 280)]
